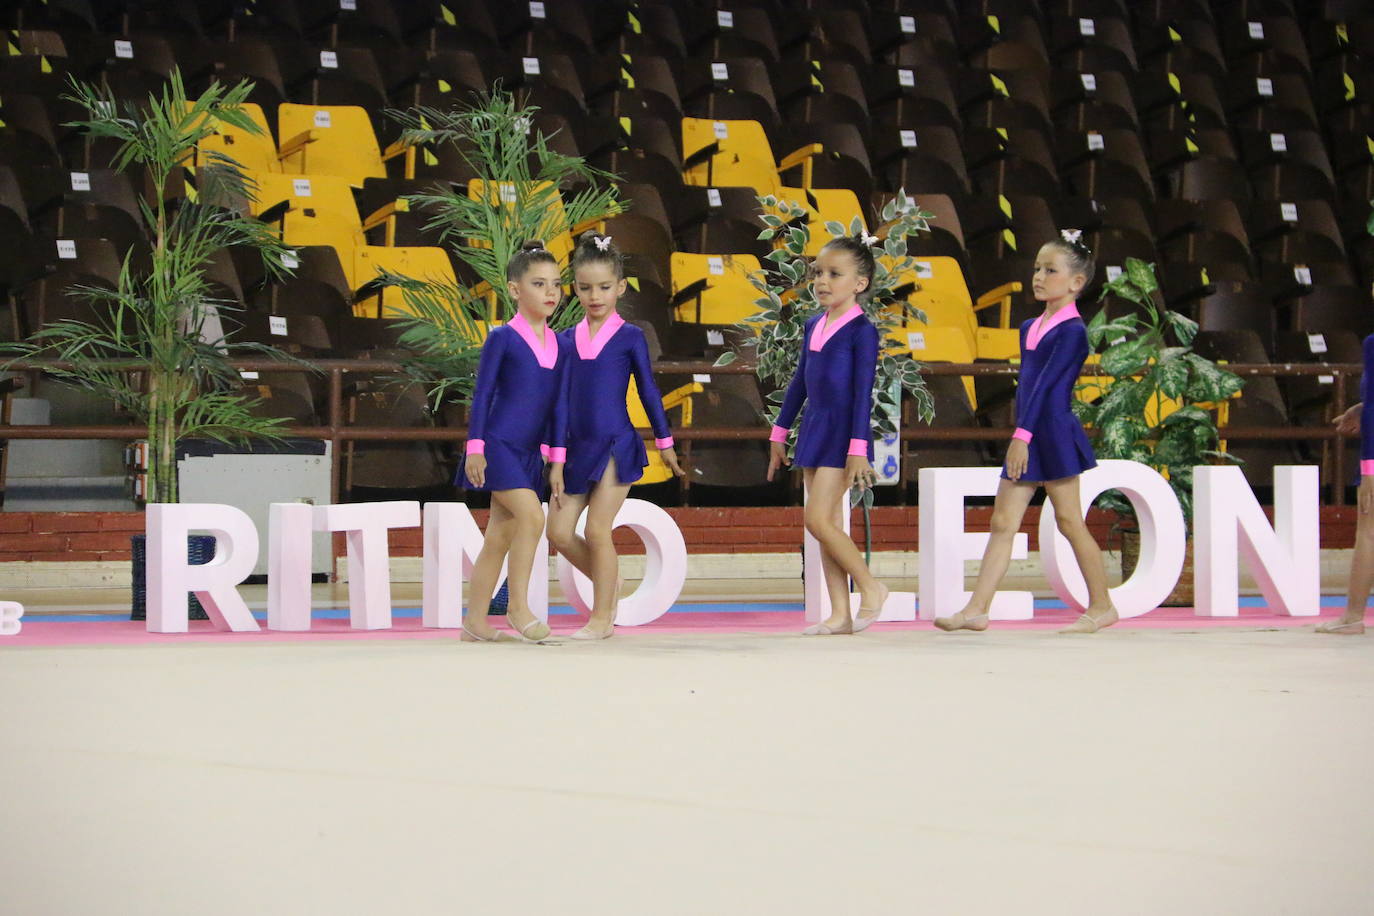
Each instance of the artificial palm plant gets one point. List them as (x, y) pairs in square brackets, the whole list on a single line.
[(525, 190), (145, 345)]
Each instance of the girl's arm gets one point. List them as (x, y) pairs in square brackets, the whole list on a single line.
[(648, 392), (793, 400), (488, 370), (556, 428), (861, 407), (653, 402), (1367, 410)]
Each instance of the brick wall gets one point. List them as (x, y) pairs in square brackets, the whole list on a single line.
[(77, 536)]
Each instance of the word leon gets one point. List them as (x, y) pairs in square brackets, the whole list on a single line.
[(1229, 526)]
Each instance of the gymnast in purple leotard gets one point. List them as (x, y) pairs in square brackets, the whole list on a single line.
[(1049, 446), (834, 379), (1360, 420), (512, 427), (605, 454)]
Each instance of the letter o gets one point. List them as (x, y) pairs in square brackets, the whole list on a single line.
[(665, 566), (1163, 538)]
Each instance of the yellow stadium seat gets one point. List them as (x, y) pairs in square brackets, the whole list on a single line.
[(416, 262), (998, 343), (713, 289), (824, 205), (332, 140), (657, 471), (934, 344), (936, 287), (256, 153), (540, 195), (738, 154)]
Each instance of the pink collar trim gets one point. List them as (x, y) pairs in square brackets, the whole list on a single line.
[(547, 352), (589, 347), (1040, 327), (822, 334)]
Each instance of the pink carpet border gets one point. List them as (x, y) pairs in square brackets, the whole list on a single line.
[(40, 633)]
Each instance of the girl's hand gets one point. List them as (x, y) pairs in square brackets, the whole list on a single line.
[(556, 485), (1366, 497), (1018, 456), (777, 457), (669, 456), (858, 470), (1348, 423), (475, 466)]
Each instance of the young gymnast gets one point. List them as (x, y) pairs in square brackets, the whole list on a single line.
[(605, 454), (1049, 446), (1360, 419), (519, 380), (834, 378)]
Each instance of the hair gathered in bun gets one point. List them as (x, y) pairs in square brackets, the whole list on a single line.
[(1079, 255), (857, 248), (531, 253), (595, 248)]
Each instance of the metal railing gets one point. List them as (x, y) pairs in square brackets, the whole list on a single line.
[(337, 432)]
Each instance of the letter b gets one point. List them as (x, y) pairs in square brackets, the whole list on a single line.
[(10, 612)]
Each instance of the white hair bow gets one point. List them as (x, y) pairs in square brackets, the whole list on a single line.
[(869, 239), (603, 242), (1071, 236)]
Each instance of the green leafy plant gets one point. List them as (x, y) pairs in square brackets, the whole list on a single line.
[(786, 301), (531, 192), (1143, 374), (156, 318)]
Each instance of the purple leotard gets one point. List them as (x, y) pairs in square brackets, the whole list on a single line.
[(513, 415), (597, 425), (834, 378), (1052, 356)]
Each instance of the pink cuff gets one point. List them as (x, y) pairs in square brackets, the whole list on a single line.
[(1023, 434), (557, 456), (665, 442), (1367, 467), (476, 447), (779, 434), (858, 447)]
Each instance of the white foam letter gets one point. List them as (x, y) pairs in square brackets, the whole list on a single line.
[(369, 569), (452, 534), (1285, 558), (665, 566), (1162, 538), (945, 545), (171, 576), (10, 612), (288, 566)]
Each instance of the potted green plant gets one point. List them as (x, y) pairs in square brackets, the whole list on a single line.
[(530, 191), (773, 335), (145, 345), (1156, 399)]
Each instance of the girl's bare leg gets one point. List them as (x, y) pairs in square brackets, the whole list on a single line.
[(496, 544), (839, 557), (563, 531), (1008, 508), (527, 521), (1068, 516), (1351, 622), (606, 499)]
